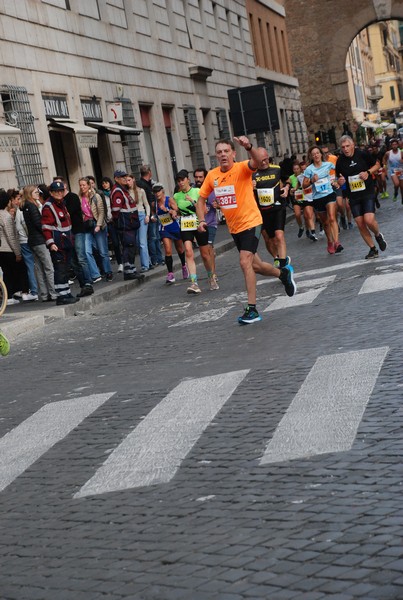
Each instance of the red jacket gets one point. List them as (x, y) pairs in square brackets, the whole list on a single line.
[(121, 200), (56, 222)]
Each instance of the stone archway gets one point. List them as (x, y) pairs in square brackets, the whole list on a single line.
[(319, 34)]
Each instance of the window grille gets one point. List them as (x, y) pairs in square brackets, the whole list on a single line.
[(222, 124), (130, 143), (193, 136), (27, 160)]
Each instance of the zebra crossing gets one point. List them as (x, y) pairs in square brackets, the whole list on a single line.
[(310, 286), (323, 417)]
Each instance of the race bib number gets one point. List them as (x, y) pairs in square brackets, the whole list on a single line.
[(165, 220), (189, 223), (356, 183), (266, 196), (299, 196), (226, 196), (323, 185)]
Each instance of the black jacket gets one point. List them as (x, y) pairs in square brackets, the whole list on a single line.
[(32, 218), (73, 205)]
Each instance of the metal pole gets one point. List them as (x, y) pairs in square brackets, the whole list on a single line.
[(242, 112)]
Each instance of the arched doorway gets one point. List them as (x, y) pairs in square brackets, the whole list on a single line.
[(320, 34)]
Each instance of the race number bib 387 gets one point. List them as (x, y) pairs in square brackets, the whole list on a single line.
[(225, 196), (266, 196), (189, 223), (356, 183)]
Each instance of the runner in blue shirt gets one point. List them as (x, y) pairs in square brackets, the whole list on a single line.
[(318, 175)]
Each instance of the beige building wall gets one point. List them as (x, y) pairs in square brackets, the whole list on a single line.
[(361, 77), (168, 62), (385, 42)]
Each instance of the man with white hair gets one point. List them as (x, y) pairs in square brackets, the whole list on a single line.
[(355, 168)]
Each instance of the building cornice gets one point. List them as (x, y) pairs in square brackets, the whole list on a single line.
[(274, 6), (267, 75)]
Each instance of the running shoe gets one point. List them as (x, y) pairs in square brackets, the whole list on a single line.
[(300, 232), (287, 279), (4, 345), (109, 277), (213, 283), (330, 247), (394, 198), (120, 269), (170, 278), (193, 289), (97, 279), (350, 226), (373, 253), (313, 237), (185, 272), (343, 222), (385, 195), (249, 316), (381, 242), (338, 248)]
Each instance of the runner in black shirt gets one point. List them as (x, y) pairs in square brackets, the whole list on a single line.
[(355, 168)]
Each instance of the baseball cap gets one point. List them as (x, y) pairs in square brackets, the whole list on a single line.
[(56, 186), (157, 186), (119, 173), (182, 174)]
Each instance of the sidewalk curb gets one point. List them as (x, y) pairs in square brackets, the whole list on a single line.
[(13, 325)]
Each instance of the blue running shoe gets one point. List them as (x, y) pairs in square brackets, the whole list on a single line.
[(249, 316), (287, 279)]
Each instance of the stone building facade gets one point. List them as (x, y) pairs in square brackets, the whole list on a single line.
[(320, 34), (87, 86)]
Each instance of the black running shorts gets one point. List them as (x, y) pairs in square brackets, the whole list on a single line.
[(248, 240)]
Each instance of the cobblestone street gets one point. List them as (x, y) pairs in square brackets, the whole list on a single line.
[(148, 439)]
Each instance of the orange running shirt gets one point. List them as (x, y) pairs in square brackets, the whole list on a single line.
[(234, 193)]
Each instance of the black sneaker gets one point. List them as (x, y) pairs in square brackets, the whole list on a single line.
[(343, 222), (300, 232), (373, 253), (109, 276), (249, 316), (87, 290), (338, 248), (287, 279), (381, 242), (64, 300)]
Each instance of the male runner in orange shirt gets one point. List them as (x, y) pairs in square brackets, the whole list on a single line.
[(232, 183)]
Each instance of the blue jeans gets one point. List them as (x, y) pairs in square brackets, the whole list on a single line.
[(28, 257), (142, 241), (154, 242), (81, 266), (101, 242), (92, 265)]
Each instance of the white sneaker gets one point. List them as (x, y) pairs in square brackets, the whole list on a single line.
[(29, 297), (12, 301), (120, 269), (17, 296)]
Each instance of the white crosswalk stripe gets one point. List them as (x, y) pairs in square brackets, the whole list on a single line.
[(316, 286), (153, 452), (22, 446), (325, 414), (380, 283)]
